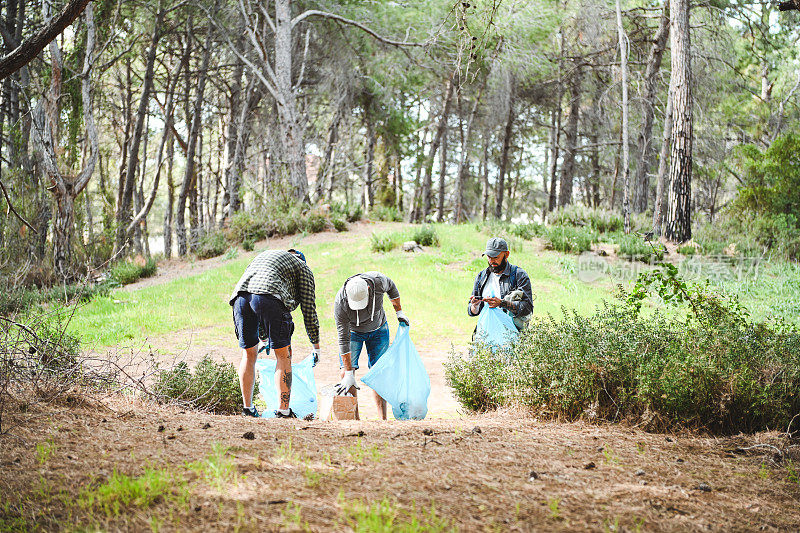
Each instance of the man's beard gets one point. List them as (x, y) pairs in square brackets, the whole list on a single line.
[(499, 268)]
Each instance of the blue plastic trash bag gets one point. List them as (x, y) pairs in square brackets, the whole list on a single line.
[(400, 378), (495, 328), (304, 389)]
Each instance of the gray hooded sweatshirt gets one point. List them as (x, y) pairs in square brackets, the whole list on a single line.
[(365, 320)]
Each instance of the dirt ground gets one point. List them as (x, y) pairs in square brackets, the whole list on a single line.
[(506, 471), (498, 472)]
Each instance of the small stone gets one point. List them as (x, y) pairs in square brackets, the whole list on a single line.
[(476, 429), (180, 428), (678, 460), (589, 466), (206, 426), (600, 448), (639, 472), (197, 509), (642, 482), (170, 437), (161, 428), (411, 246), (309, 417), (427, 431), (668, 439), (249, 436), (533, 476), (703, 487), (104, 420)]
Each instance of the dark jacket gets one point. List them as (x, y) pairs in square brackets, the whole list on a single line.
[(521, 281)]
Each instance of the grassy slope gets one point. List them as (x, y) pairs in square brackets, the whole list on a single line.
[(433, 286)]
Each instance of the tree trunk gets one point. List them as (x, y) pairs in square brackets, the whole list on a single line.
[(485, 176), (398, 182), (369, 156), (555, 129), (678, 222), (501, 174), (124, 209), (291, 130), (463, 162), (232, 125), (626, 167), (442, 176), (663, 167), (646, 152), (189, 175), (170, 198), (437, 139), (571, 134)]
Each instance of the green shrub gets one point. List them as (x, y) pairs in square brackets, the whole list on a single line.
[(692, 368), (526, 231), (211, 387), (245, 226), (426, 236), (635, 248), (351, 213), (687, 249), (212, 245), (576, 215), (129, 271), (15, 299), (248, 244), (315, 222), (386, 213), (339, 223), (568, 239), (383, 242)]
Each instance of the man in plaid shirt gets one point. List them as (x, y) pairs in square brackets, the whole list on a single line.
[(272, 286)]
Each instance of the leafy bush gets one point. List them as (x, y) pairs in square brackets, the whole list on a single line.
[(576, 215), (526, 231), (244, 226), (211, 245), (15, 299), (426, 236), (351, 213), (570, 239), (126, 272), (386, 213), (315, 222), (248, 245), (687, 249), (339, 224), (635, 248), (691, 368), (383, 242), (212, 387)]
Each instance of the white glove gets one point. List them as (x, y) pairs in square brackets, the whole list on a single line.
[(403, 319), (315, 353), (349, 380)]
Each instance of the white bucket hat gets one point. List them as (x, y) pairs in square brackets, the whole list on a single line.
[(357, 292)]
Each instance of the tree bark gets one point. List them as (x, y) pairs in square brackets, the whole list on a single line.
[(645, 160), (435, 143), (442, 176), (626, 167), (485, 176), (26, 51), (663, 167), (571, 134), (504, 156), (678, 221), (463, 162), (368, 195)]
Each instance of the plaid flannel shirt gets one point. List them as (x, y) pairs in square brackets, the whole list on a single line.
[(287, 278)]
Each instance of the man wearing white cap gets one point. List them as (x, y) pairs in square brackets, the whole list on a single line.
[(360, 320)]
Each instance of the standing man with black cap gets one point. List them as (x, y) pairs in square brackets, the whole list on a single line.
[(274, 284), (360, 320), (502, 285)]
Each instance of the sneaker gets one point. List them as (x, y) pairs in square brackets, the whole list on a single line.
[(250, 411), (291, 414)]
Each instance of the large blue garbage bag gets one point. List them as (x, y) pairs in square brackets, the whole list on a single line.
[(400, 378), (304, 389), (495, 327)]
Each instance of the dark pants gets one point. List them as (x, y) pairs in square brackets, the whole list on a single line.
[(250, 310)]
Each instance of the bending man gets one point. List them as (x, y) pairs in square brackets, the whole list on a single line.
[(272, 286), (360, 320)]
